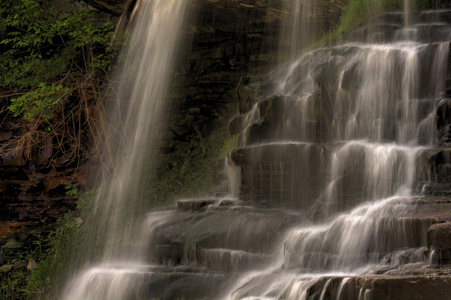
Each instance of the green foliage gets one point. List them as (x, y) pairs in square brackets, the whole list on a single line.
[(230, 142), (355, 14), (42, 277), (11, 284), (189, 169), (71, 189), (63, 243), (40, 103), (52, 251), (50, 54)]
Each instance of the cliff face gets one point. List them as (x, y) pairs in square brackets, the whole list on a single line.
[(225, 41), (229, 40), (38, 170)]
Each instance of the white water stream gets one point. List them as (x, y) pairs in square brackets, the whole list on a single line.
[(132, 137), (350, 126)]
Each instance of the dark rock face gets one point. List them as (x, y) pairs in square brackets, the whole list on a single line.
[(435, 172), (114, 7), (270, 174), (439, 241), (389, 26), (35, 170), (414, 287), (230, 40), (443, 122)]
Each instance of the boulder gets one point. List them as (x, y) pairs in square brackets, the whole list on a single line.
[(439, 241), (444, 122), (114, 7)]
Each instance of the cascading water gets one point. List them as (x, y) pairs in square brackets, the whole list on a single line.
[(132, 139), (367, 109), (330, 157), (303, 30)]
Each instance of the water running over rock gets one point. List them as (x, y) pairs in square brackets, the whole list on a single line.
[(132, 129), (331, 152)]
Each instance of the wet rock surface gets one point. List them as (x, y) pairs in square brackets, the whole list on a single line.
[(213, 241), (439, 242), (223, 236), (429, 26), (114, 7), (412, 287)]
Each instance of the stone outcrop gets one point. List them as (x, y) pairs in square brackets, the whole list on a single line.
[(443, 123), (435, 172), (439, 241), (390, 288), (207, 244), (114, 7), (230, 40), (227, 40), (215, 234), (41, 171)]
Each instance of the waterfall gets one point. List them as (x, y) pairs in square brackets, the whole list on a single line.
[(304, 27), (132, 133), (407, 13), (366, 107), (325, 184)]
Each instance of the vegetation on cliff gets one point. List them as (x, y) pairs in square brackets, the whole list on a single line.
[(53, 74), (357, 12), (52, 69)]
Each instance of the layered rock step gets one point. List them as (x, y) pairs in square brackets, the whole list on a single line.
[(235, 238), (425, 26), (330, 287), (208, 246), (339, 175), (150, 282), (220, 235), (288, 174), (342, 93)]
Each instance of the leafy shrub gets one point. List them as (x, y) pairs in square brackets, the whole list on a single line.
[(53, 71), (64, 242), (45, 46), (39, 103)]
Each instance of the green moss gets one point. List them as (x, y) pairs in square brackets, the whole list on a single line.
[(230, 142), (189, 169)]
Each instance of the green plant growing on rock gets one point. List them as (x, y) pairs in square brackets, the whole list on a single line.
[(42, 277), (189, 170), (230, 142), (63, 244), (53, 70), (39, 103), (71, 189), (21, 258)]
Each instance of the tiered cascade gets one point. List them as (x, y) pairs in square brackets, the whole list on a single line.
[(337, 153)]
